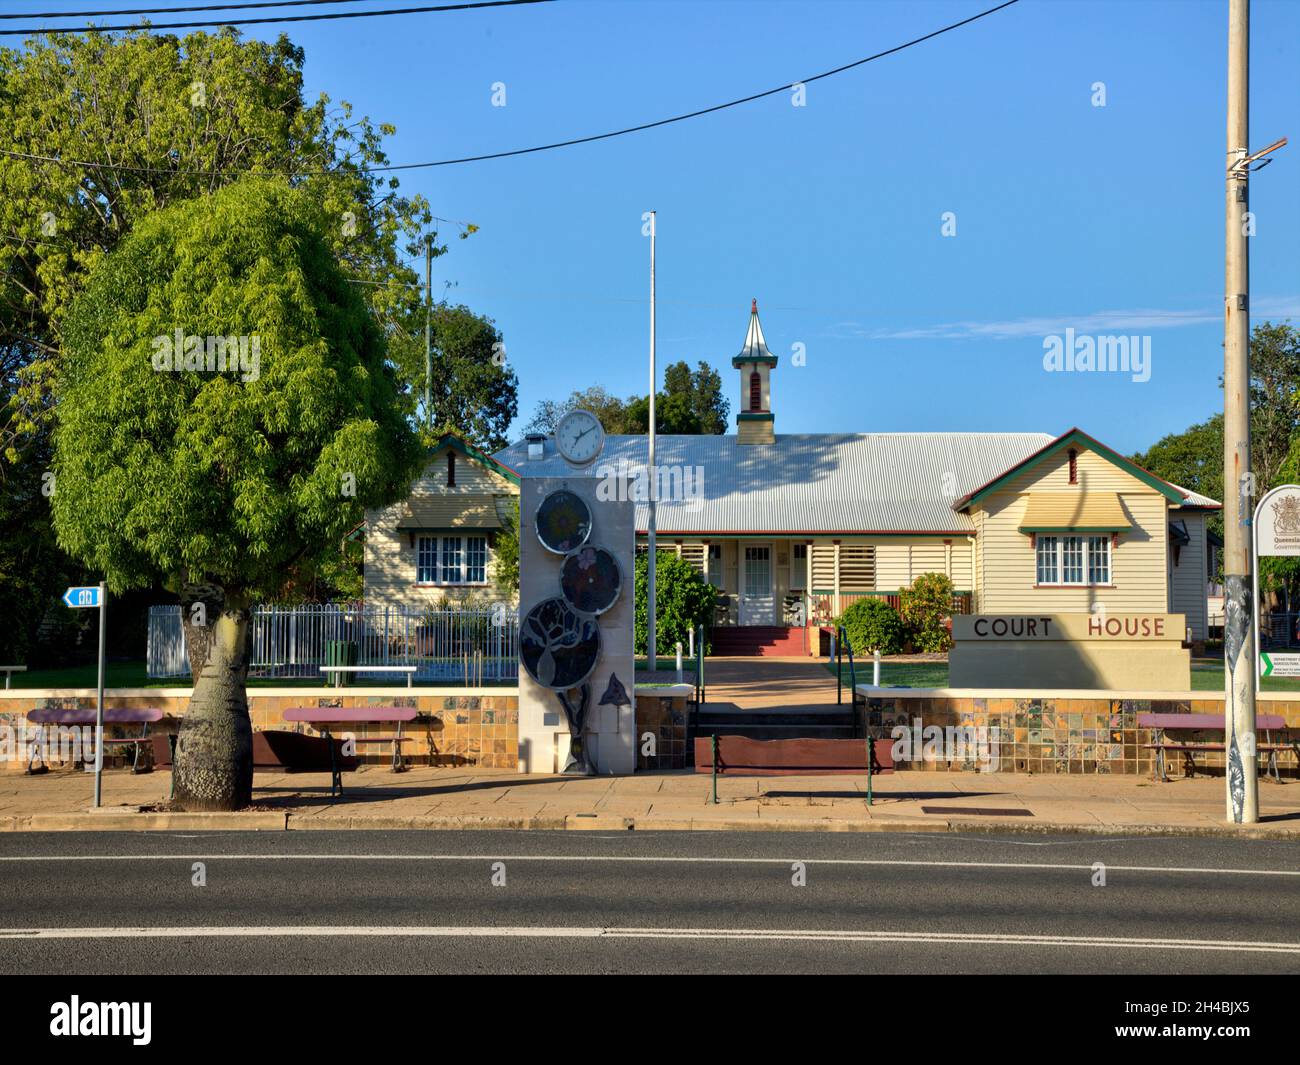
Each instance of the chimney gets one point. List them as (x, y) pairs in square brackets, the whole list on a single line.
[(536, 445), (755, 423)]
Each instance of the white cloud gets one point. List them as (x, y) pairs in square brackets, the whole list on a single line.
[(1142, 319)]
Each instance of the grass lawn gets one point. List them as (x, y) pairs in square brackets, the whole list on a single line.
[(134, 675), (1207, 675)]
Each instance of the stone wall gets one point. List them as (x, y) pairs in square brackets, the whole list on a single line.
[(1065, 734), (665, 716), (471, 726)]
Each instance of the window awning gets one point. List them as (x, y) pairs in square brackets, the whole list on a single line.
[(460, 510), (1074, 512)]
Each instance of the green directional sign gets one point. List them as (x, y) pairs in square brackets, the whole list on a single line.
[(1276, 665)]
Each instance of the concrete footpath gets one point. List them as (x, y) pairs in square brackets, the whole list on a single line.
[(443, 798)]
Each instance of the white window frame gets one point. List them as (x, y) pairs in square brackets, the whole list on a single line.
[(450, 565), (1056, 550), (799, 563)]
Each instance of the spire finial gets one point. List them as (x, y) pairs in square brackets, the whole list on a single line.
[(753, 306)]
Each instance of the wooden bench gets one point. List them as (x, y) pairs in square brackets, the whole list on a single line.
[(1162, 724), (9, 671), (408, 670), (45, 718), (324, 718), (741, 756)]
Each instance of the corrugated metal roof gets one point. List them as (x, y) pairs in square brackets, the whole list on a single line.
[(1067, 511), (1195, 499), (805, 483)]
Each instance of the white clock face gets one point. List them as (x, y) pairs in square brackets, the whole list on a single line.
[(580, 437)]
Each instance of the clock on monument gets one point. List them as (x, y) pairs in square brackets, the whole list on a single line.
[(579, 437)]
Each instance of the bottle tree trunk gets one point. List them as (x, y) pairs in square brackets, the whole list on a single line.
[(214, 749)]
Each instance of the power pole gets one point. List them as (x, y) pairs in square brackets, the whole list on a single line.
[(652, 659), (428, 333), (1238, 482)]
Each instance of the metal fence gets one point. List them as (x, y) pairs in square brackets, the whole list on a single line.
[(455, 645), (1279, 630)]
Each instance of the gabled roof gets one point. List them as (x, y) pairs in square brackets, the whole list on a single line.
[(458, 443), (1176, 495), (755, 349)]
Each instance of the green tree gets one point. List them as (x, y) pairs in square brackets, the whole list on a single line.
[(473, 391), (229, 486), (177, 117), (505, 554), (683, 600), (690, 404), (611, 411), (1193, 459), (924, 607)]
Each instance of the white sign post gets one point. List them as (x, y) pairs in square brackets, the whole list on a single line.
[(88, 598), (1275, 532)]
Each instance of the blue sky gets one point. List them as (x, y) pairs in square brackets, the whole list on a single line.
[(1103, 219)]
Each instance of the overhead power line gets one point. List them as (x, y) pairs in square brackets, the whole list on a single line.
[(537, 148), (320, 17), (176, 10)]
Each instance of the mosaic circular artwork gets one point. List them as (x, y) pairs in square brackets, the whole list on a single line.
[(557, 645), (591, 579), (563, 522)]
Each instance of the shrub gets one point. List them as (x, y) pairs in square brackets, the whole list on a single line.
[(872, 625), (924, 608), (683, 600)]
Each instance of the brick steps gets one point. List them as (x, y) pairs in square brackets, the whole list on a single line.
[(755, 641)]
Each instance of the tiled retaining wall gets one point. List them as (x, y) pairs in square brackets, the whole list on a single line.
[(473, 726), (1071, 732), (665, 717)]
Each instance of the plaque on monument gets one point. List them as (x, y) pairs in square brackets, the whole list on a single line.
[(557, 645), (591, 579), (563, 522)]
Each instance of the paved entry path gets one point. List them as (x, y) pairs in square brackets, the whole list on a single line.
[(789, 685)]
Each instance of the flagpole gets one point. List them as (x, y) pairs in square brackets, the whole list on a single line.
[(651, 654)]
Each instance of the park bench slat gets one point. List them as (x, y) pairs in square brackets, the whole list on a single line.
[(795, 757), (1204, 721), (323, 717), (81, 716), (355, 715), (1162, 724), (121, 715)]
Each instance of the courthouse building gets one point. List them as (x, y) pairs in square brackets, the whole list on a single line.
[(794, 527)]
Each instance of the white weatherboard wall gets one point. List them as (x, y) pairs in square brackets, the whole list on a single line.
[(543, 728)]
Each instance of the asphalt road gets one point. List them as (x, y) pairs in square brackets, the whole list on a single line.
[(675, 902)]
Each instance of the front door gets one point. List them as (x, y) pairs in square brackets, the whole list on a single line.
[(757, 600)]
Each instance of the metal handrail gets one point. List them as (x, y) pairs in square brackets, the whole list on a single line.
[(843, 640)]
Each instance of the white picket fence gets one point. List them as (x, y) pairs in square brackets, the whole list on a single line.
[(457, 645)]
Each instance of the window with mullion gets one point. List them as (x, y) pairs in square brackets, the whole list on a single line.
[(1098, 559), (475, 559), (1048, 571), (1073, 560), (426, 560), (451, 560)]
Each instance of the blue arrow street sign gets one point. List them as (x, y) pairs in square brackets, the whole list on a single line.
[(82, 597)]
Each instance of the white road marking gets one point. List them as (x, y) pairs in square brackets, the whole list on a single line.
[(679, 859), (580, 932)]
